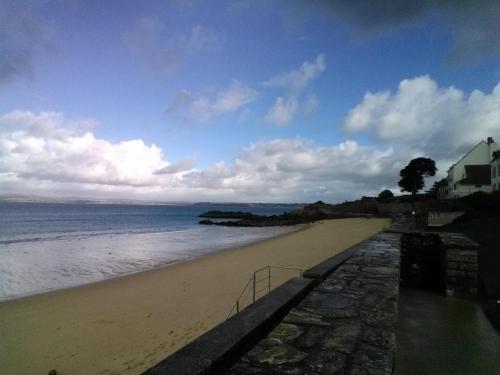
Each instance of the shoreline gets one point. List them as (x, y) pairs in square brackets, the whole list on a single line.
[(206, 252), (297, 228), (126, 324)]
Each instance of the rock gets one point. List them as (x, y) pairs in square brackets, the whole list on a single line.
[(228, 215), (52, 372), (206, 222)]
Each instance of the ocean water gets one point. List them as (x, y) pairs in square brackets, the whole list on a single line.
[(47, 246)]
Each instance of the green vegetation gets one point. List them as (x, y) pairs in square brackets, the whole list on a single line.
[(385, 194), (412, 176)]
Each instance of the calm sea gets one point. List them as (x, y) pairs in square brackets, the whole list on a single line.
[(46, 246)]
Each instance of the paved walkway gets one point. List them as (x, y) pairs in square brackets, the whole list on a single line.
[(344, 326), (444, 335)]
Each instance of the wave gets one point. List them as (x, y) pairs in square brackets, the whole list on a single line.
[(85, 235)]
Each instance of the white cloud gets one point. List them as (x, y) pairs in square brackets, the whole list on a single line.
[(420, 115), (299, 79), (287, 108), (46, 147), (283, 111), (47, 154), (180, 166), (298, 170), (202, 108), (162, 52)]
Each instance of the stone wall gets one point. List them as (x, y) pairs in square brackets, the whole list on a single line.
[(461, 265), (339, 318), (346, 325)]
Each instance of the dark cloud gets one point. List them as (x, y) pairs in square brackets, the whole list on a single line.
[(22, 37), (474, 24)]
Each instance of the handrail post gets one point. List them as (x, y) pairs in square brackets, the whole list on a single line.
[(253, 301), (269, 280)]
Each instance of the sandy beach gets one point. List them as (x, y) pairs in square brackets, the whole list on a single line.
[(127, 324)]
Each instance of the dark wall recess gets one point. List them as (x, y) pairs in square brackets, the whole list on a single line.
[(423, 262)]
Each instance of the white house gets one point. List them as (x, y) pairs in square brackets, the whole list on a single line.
[(474, 171)]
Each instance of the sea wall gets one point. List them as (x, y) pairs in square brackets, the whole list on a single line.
[(339, 318), (346, 325), (341, 315)]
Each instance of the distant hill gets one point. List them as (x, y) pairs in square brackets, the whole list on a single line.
[(79, 200)]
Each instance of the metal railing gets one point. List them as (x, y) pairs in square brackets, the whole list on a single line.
[(255, 282)]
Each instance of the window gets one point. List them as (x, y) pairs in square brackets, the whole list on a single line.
[(493, 171), (498, 168), (478, 185)]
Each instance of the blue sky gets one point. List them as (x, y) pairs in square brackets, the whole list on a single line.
[(240, 100)]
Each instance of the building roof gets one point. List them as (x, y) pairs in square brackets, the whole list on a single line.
[(463, 157), (477, 175)]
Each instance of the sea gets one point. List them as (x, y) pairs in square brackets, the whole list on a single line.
[(50, 246)]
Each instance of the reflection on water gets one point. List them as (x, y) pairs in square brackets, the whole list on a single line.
[(39, 255)]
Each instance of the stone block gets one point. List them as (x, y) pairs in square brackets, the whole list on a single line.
[(472, 253), (343, 337), (378, 318), (331, 306), (381, 338), (455, 273), (468, 266), (275, 353), (313, 337), (464, 282), (372, 360), (303, 317), (325, 362), (472, 275), (471, 291), (285, 332)]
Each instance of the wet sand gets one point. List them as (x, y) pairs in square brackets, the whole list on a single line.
[(127, 324)]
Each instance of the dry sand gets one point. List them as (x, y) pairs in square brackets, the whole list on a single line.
[(127, 324)]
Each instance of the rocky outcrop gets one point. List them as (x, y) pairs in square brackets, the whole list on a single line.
[(228, 215), (310, 213)]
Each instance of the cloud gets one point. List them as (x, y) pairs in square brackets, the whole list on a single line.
[(46, 147), (161, 52), (287, 108), (180, 166), (439, 121), (22, 37), (43, 153), (473, 23), (297, 80), (47, 152), (283, 111), (202, 108), (287, 169)]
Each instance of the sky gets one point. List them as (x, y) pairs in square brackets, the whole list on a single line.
[(241, 101)]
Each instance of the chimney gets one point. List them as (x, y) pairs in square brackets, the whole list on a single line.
[(489, 140)]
